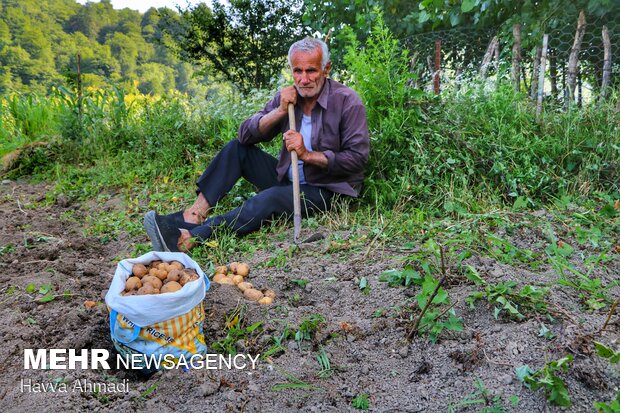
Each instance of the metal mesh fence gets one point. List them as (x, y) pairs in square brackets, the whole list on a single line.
[(462, 56)]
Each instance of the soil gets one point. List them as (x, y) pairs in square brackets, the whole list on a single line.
[(368, 351)]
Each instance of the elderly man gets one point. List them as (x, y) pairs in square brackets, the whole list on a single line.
[(331, 143)]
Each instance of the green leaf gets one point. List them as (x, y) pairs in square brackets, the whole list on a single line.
[(523, 372), (46, 298), (472, 275), (31, 287), (468, 5), (300, 283)]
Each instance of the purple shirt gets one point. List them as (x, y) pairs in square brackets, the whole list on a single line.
[(339, 130)]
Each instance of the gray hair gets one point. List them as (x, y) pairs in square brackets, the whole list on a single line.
[(309, 45)]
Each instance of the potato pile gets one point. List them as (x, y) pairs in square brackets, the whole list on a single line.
[(158, 277), (235, 274)]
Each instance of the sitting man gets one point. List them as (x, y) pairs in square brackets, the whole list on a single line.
[(332, 147)]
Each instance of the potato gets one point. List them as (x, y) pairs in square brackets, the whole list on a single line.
[(147, 289), (244, 286), (153, 272), (163, 266), (227, 280), (237, 279), (252, 294), (154, 281), (161, 274), (222, 269), (139, 270), (270, 293), (171, 287), (89, 304), (266, 300), (233, 267), (218, 277), (173, 275), (132, 283), (175, 265), (155, 263), (243, 269)]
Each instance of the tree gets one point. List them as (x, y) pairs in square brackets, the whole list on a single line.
[(242, 41)]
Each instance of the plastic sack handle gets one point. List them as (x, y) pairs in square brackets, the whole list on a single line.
[(135, 334)]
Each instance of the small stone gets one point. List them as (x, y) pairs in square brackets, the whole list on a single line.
[(15, 262), (365, 370), (209, 387), (496, 329), (292, 345), (40, 307), (506, 379), (403, 351), (240, 344), (308, 288), (6, 182)]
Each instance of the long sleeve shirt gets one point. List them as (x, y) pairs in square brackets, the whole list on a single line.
[(339, 130)]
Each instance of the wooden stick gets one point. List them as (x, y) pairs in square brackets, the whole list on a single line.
[(611, 311), (573, 59), (295, 172), (541, 76)]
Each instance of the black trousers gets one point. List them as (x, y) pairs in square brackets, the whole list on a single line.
[(275, 198)]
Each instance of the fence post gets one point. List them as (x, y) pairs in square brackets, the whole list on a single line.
[(437, 66), (516, 56), (573, 59), (541, 76), (606, 63)]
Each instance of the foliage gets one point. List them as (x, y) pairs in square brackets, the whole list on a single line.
[(492, 403), (603, 351), (611, 407), (242, 41), (40, 42), (361, 402), (514, 303), (235, 331), (309, 327), (555, 388)]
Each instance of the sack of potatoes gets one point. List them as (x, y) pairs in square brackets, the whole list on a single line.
[(156, 286), (236, 273)]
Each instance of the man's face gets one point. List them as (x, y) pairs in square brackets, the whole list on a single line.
[(307, 73)]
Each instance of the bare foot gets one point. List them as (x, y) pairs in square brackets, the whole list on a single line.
[(185, 242), (197, 213)]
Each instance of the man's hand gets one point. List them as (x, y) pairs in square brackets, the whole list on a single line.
[(295, 142), (287, 95)]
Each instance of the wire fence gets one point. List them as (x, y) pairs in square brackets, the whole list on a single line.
[(446, 59)]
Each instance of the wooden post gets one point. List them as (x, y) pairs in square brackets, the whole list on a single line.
[(573, 59), (516, 56), (437, 66), (541, 76), (606, 63), (533, 85)]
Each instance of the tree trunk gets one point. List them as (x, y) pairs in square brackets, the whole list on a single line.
[(516, 56), (541, 76), (535, 66), (486, 60), (606, 63), (573, 59)]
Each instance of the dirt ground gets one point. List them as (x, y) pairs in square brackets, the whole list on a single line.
[(44, 245)]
